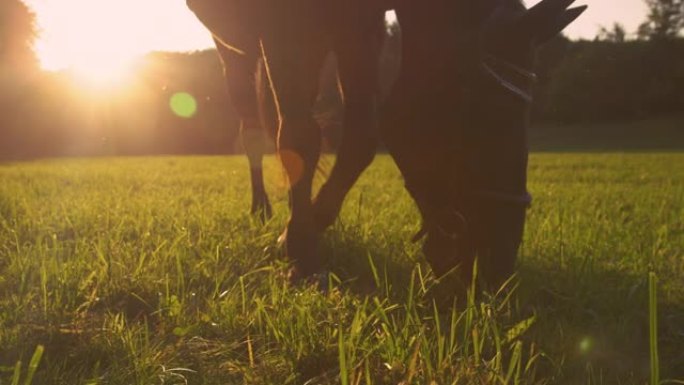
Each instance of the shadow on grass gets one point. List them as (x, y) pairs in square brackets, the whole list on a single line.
[(367, 268), (592, 325), (595, 324)]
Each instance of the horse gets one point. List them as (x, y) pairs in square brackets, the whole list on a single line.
[(455, 122), (456, 125), (290, 41)]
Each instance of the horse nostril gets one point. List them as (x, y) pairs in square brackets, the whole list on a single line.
[(441, 252)]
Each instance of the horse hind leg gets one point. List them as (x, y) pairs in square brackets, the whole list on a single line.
[(358, 58), (241, 73)]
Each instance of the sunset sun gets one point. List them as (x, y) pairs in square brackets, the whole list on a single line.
[(91, 38), (99, 40)]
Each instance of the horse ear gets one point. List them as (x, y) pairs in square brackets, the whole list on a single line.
[(545, 9), (555, 26), (548, 18)]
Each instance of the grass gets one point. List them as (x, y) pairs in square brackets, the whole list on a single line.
[(149, 270)]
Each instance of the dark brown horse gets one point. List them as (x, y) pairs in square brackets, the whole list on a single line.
[(293, 39), (456, 124)]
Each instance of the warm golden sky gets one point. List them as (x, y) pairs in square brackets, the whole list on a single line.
[(104, 35), (629, 13), (87, 33)]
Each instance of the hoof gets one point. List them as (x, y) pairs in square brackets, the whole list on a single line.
[(301, 244), (262, 210)]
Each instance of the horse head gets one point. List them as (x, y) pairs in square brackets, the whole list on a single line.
[(467, 168)]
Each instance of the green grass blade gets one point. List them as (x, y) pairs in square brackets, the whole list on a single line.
[(653, 327), (33, 365), (17, 373), (344, 374)]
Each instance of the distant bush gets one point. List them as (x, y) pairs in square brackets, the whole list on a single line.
[(51, 114), (603, 81), (48, 114)]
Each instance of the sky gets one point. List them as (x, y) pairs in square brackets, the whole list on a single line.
[(629, 13), (105, 34)]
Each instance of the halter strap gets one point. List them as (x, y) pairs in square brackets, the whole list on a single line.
[(434, 213), (531, 76)]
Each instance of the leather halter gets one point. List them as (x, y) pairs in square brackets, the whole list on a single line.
[(501, 196), (524, 199), (498, 196)]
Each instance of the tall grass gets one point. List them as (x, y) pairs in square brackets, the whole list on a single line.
[(150, 270), (31, 370)]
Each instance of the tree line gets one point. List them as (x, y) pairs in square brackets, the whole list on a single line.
[(612, 78)]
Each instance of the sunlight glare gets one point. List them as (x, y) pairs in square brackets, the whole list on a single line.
[(91, 37), (103, 72), (98, 40)]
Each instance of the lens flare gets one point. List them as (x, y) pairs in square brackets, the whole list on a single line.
[(294, 165), (585, 345), (183, 105)]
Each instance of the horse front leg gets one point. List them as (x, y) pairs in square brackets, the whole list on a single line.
[(293, 63), (358, 53), (241, 76)]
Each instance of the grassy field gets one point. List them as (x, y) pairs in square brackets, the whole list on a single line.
[(150, 271)]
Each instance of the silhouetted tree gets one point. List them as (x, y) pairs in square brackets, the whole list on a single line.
[(616, 34), (665, 20), (17, 34), (602, 81)]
